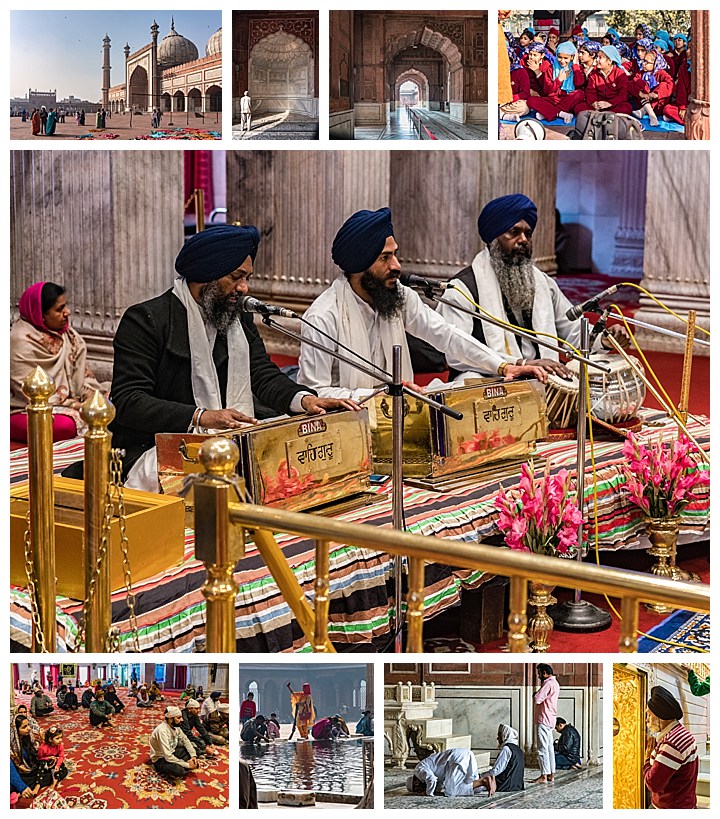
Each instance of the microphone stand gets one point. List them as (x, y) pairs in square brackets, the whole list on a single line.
[(578, 615), (395, 388)]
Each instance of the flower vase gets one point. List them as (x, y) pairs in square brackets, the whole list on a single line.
[(540, 624), (662, 534)]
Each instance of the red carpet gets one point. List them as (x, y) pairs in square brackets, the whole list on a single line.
[(110, 768)]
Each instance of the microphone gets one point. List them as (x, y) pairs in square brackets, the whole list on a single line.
[(599, 327), (419, 283), (248, 304), (575, 312)]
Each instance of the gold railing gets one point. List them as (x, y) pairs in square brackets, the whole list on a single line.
[(216, 514)]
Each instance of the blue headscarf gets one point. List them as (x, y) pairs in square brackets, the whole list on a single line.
[(216, 251), (649, 76), (515, 63), (679, 36), (569, 82), (647, 44), (591, 46), (502, 213), (615, 40), (361, 239), (661, 34), (612, 53), (646, 30)]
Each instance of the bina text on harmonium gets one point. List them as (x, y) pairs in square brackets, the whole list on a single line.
[(501, 422), (298, 463)]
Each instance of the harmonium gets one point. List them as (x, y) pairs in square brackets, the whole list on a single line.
[(317, 462), (501, 423), (149, 518)]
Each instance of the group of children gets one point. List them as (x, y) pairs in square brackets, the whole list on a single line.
[(555, 79)]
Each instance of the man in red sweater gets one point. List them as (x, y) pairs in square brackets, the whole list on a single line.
[(671, 760)]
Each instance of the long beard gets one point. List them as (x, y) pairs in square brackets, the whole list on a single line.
[(387, 302), (218, 310), (515, 275)]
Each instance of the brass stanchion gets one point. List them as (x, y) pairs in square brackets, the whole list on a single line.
[(687, 366), (517, 619), (200, 209), (415, 604), (322, 595), (630, 614), (38, 387), (218, 544), (97, 412)]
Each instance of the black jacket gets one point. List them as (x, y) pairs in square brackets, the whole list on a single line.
[(191, 721), (152, 386), (569, 744)]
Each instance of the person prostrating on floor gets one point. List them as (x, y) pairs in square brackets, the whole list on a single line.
[(171, 752), (101, 711)]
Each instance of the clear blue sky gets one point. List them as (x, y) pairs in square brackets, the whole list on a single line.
[(63, 49)]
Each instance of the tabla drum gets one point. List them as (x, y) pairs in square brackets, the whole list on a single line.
[(615, 397)]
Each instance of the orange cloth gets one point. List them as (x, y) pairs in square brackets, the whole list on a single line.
[(505, 93)]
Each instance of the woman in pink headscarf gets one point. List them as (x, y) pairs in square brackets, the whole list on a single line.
[(303, 709), (42, 337)]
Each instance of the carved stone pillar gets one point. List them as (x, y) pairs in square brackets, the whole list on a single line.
[(106, 225), (436, 197), (697, 121), (677, 263), (627, 260), (298, 200)]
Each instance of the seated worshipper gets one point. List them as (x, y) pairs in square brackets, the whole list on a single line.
[(188, 693), (171, 752), (60, 695), (52, 753), (520, 85), (586, 59), (366, 724), (607, 85), (676, 109), (671, 764), (508, 773), (43, 337), (248, 708), (24, 755), (255, 730), (40, 704), (561, 87), (100, 710), (524, 40), (369, 311), (537, 67), (273, 726), (154, 692), (553, 40), (112, 697), (143, 697), (35, 731), (680, 53), (199, 694), (210, 704), (455, 772), (195, 731), (19, 787), (651, 88), (568, 747), (190, 359), (504, 281), (218, 724), (87, 697)]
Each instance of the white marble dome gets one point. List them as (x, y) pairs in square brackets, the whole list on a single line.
[(214, 44), (174, 49)]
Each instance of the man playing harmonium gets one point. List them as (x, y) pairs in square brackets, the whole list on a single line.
[(369, 311), (190, 360), (503, 281)]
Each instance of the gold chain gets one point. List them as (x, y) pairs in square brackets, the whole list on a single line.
[(116, 481), (32, 587)]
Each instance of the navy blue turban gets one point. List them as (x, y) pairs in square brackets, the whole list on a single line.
[(216, 251), (361, 240), (502, 213)]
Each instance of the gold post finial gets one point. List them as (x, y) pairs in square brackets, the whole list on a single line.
[(38, 386), (219, 456), (97, 412)]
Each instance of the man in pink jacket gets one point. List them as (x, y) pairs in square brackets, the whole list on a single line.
[(546, 700)]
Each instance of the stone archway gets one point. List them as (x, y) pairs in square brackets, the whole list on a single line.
[(194, 100), (281, 70), (138, 95), (166, 102), (420, 81), (179, 101), (449, 87), (214, 98)]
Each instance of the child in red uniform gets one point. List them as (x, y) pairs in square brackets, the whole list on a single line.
[(560, 87), (52, 753), (676, 109), (607, 86), (520, 84), (651, 88)]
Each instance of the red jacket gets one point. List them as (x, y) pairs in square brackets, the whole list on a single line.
[(537, 84), (682, 86), (554, 86), (612, 89), (663, 89), (671, 772), (520, 83)]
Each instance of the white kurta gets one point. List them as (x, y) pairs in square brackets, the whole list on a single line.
[(549, 313), (455, 769), (321, 371)]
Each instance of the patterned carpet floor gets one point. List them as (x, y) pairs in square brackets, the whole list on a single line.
[(690, 631), (111, 768)]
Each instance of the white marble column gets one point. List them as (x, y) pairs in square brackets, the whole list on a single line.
[(627, 260), (676, 266), (106, 225)]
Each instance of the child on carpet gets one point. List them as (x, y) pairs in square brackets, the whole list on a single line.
[(52, 752), (651, 87)]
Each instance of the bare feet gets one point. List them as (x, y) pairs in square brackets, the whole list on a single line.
[(540, 780)]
